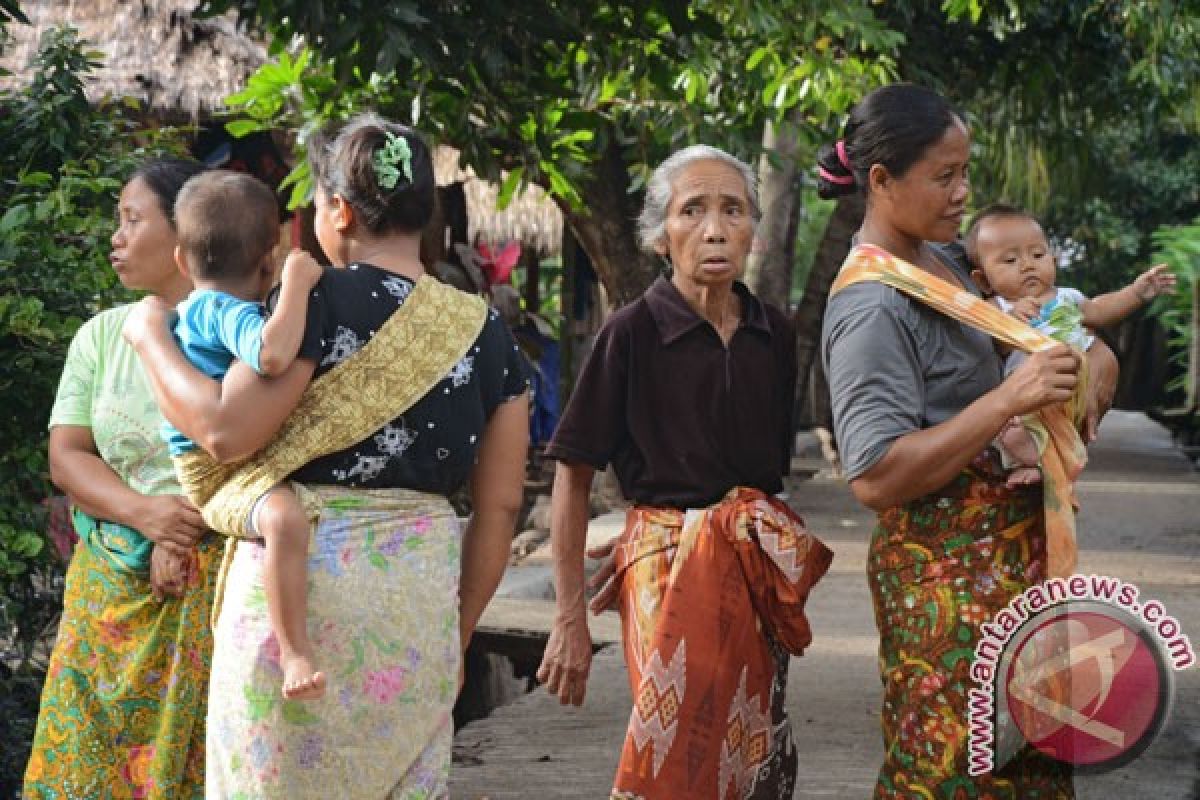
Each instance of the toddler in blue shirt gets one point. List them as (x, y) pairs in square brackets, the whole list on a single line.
[(228, 225)]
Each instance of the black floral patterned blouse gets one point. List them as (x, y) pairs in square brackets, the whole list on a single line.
[(431, 447)]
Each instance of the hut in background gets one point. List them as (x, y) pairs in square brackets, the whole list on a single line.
[(181, 68)]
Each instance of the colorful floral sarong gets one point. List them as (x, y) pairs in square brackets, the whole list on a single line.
[(1063, 453), (938, 567), (411, 353), (712, 602), (383, 617), (122, 713)]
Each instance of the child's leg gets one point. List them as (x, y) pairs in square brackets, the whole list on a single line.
[(281, 521), (1021, 452)]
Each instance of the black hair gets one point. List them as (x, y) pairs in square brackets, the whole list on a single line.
[(165, 177), (228, 222), (993, 211), (343, 163), (894, 126)]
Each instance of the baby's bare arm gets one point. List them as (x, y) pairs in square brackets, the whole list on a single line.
[(284, 331), (1111, 308)]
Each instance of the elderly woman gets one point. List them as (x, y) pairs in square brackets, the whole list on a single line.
[(918, 397), (688, 394), (122, 711)]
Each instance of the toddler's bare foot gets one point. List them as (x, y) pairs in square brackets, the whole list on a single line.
[(1024, 476), (301, 680)]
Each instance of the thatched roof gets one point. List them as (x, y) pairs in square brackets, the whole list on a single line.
[(155, 51), (531, 216)]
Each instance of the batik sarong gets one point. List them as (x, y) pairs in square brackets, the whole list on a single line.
[(939, 567), (122, 714), (382, 589), (383, 616), (1062, 449), (712, 602)]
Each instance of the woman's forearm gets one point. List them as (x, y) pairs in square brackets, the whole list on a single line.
[(497, 491), (89, 481), (189, 399), (924, 460), (231, 419), (568, 535), (928, 459), (486, 546)]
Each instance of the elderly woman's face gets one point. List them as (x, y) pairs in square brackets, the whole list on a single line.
[(709, 225), (143, 245)]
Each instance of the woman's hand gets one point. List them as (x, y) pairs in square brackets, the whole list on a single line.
[(604, 581), (171, 522), (568, 658), (1046, 377), (148, 316), (170, 572)]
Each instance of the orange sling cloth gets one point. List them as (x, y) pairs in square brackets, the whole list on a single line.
[(1064, 455), (700, 592)]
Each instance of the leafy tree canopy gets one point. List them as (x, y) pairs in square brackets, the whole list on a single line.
[(582, 99)]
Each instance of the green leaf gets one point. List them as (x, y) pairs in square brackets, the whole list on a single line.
[(756, 57), (243, 127), (508, 188)]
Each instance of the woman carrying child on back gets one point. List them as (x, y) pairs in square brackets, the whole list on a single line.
[(418, 389)]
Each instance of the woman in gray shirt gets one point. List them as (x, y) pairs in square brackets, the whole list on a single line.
[(917, 398)]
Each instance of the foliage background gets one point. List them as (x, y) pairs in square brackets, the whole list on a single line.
[(62, 164)]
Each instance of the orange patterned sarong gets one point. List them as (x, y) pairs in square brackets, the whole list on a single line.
[(712, 602), (1063, 456)]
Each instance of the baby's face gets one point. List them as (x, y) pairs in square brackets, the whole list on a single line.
[(1015, 257)]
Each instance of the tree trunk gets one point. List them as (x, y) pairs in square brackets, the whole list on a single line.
[(1192, 389), (605, 229), (835, 244), (769, 272)]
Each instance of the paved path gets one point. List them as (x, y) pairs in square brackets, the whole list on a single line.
[(1140, 522)]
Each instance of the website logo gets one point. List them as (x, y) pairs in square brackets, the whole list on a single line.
[(1079, 669)]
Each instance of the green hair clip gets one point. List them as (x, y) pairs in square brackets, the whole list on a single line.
[(394, 151)]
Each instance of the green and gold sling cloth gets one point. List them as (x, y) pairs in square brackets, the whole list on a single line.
[(422, 340)]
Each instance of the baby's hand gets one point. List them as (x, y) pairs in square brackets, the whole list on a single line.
[(149, 314), (1155, 281), (301, 268), (1026, 309)]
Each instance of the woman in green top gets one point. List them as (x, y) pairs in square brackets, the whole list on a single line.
[(123, 708)]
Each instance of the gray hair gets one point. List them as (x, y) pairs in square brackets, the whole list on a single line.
[(652, 222)]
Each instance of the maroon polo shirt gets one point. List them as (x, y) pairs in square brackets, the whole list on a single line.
[(681, 417)]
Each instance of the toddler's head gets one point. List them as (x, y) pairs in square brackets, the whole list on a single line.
[(228, 224), (1009, 253)]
